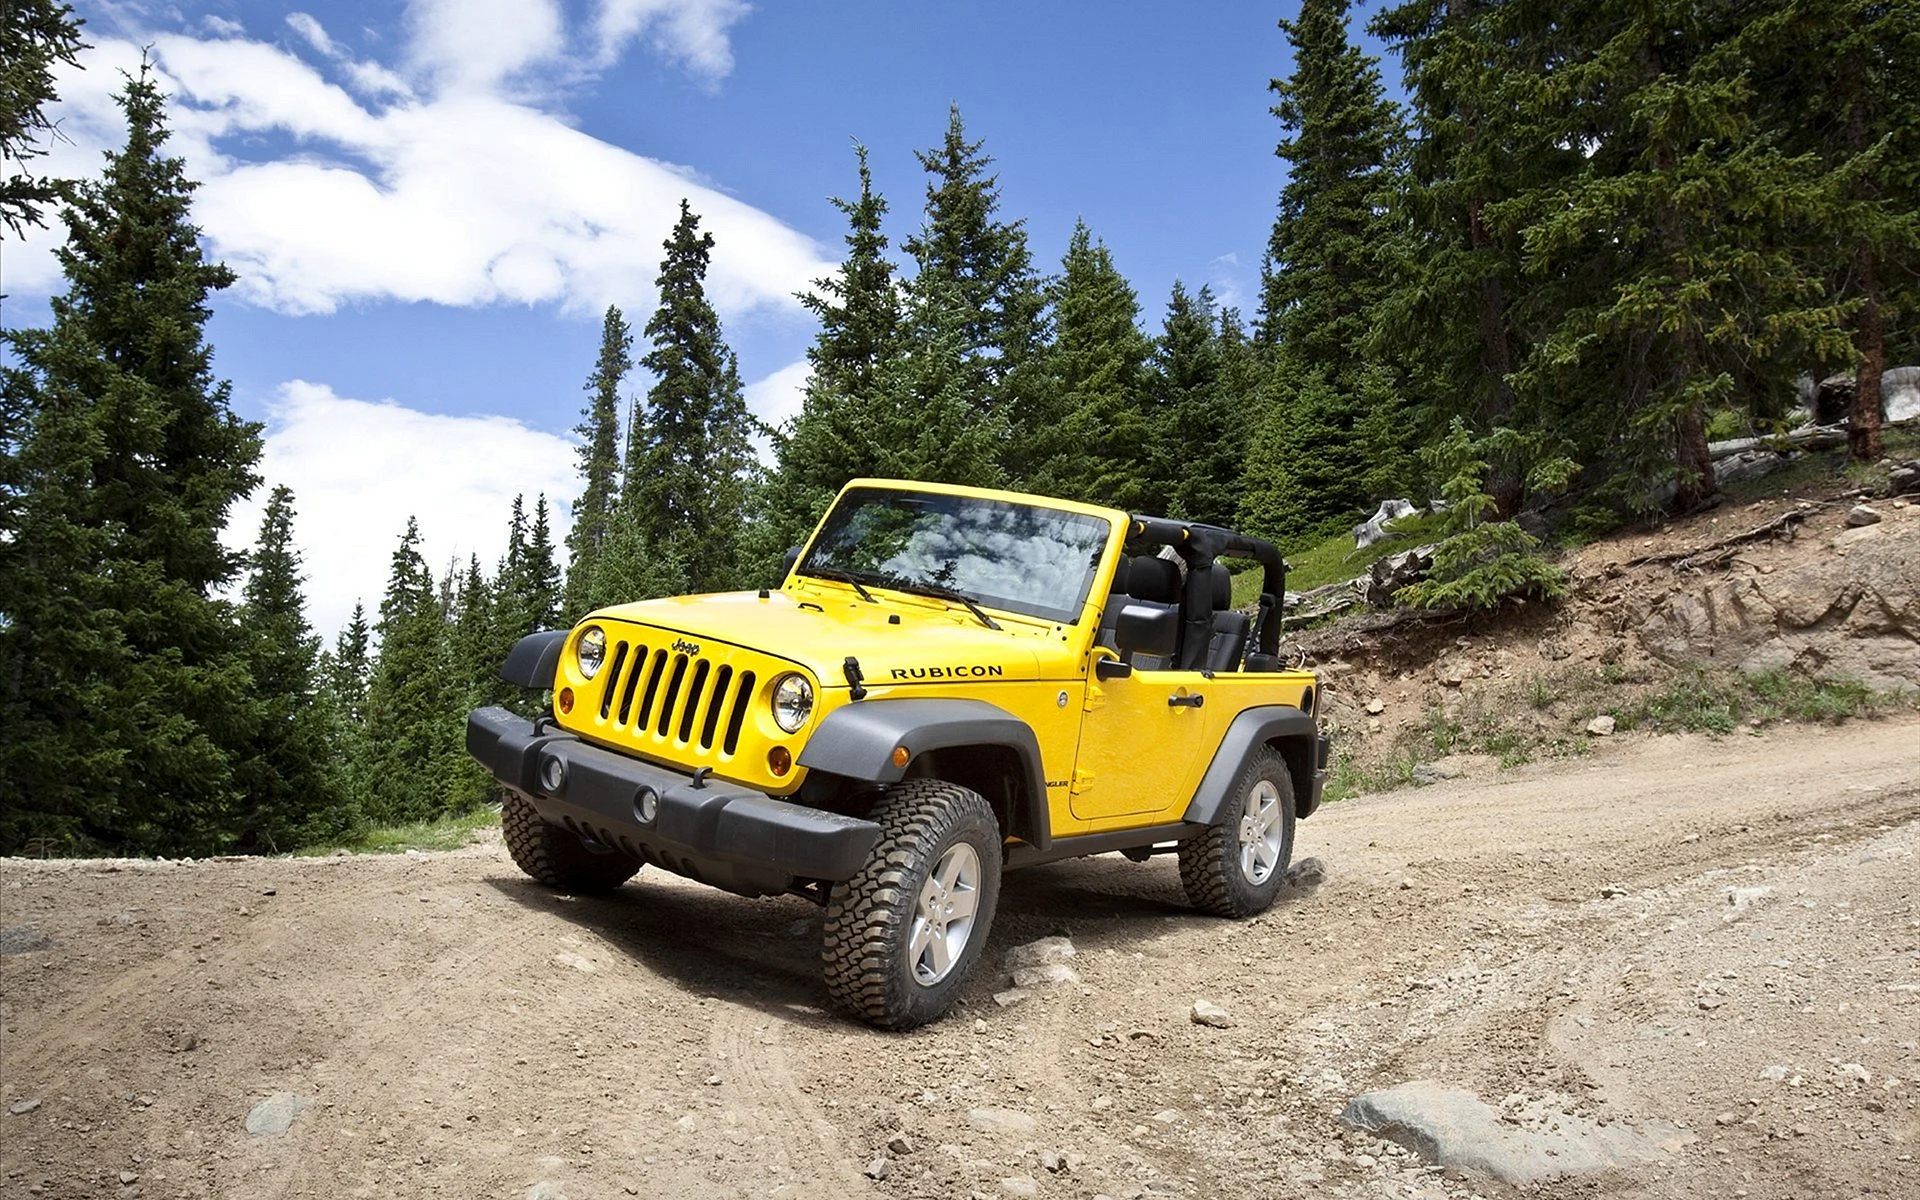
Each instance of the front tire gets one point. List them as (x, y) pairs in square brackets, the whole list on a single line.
[(1237, 867), (556, 856), (902, 935)]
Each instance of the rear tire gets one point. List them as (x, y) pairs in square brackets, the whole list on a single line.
[(557, 857), (903, 935), (1237, 867)]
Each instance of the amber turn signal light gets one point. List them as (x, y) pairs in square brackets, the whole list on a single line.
[(900, 756), (779, 760), (566, 701)]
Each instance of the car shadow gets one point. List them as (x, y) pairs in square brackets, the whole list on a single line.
[(765, 953)]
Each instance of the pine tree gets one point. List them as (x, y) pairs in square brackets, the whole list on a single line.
[(690, 456), (352, 665), (540, 573), (411, 709), (35, 36), (985, 269), (295, 794), (1105, 444), (1202, 450), (1457, 307), (1323, 282), (1833, 77), (847, 414), (1320, 281), (599, 461), (125, 694), (1668, 256)]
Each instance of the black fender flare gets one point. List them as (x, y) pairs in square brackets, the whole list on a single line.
[(858, 741), (1290, 731), (534, 659)]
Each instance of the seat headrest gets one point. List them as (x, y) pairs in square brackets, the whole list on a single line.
[(1222, 587), (1147, 578)]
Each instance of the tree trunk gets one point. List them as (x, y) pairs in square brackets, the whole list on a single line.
[(1697, 481)]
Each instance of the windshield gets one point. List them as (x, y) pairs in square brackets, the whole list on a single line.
[(1017, 557)]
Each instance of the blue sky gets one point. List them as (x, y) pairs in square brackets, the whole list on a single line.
[(431, 204)]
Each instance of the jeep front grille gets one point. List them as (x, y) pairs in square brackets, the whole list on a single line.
[(674, 701)]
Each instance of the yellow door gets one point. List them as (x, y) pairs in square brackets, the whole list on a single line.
[(1143, 743)]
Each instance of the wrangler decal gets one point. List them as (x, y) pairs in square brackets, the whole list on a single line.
[(973, 671)]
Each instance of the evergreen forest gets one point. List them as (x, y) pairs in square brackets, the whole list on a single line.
[(1590, 239)]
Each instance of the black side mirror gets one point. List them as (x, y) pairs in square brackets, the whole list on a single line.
[(1143, 629), (786, 564)]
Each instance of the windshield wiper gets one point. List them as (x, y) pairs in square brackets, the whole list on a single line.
[(839, 576), (943, 593)]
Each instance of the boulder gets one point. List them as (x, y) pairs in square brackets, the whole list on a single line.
[(1833, 399), (1900, 394), (1374, 528), (1452, 1127), (1853, 613)]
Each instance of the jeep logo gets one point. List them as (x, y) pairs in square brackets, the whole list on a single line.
[(684, 646)]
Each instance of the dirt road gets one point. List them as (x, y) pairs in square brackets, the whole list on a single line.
[(1722, 935)]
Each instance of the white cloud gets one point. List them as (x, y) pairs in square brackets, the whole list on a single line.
[(695, 32), (462, 195), (312, 32), (359, 468), (481, 44)]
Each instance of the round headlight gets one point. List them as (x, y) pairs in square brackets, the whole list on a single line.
[(592, 651), (792, 702)]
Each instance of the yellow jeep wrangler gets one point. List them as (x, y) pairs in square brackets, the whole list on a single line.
[(949, 682)]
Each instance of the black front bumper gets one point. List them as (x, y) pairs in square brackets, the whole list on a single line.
[(718, 833)]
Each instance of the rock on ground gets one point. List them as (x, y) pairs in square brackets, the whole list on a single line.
[(275, 1114), (1452, 1127)]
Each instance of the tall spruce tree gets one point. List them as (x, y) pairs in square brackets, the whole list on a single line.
[(1104, 446), (848, 424), (1203, 448), (1457, 310), (295, 793), (1667, 258), (1309, 470), (983, 270), (125, 691), (1834, 78), (599, 461), (691, 455)]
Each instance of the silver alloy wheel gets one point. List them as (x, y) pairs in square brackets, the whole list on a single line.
[(943, 918), (1260, 832)]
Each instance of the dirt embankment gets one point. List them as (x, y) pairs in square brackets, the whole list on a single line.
[(1786, 589), (1718, 937)]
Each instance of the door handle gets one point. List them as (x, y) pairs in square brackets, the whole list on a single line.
[(1192, 701)]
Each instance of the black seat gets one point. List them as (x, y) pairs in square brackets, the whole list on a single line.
[(1141, 582), (1228, 643)]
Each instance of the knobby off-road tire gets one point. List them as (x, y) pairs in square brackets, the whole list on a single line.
[(902, 935), (555, 856), (1237, 867)]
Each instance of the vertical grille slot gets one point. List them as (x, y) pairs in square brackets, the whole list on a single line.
[(673, 691), (633, 681), (653, 686), (721, 679), (613, 679), (695, 691), (741, 696)]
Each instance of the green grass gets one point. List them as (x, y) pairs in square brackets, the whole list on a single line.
[(1335, 560), (443, 833), (1705, 702)]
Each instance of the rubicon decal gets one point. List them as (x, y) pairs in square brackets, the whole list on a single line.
[(972, 671)]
